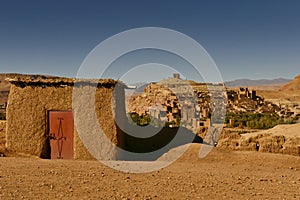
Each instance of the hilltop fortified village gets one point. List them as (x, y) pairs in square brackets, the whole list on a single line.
[(187, 103)]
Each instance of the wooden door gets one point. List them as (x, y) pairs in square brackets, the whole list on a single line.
[(61, 134)]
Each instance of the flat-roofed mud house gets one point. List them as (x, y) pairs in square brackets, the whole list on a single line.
[(40, 119)]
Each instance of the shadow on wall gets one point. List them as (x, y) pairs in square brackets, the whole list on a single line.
[(140, 147)]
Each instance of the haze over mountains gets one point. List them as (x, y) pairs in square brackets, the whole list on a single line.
[(260, 82)]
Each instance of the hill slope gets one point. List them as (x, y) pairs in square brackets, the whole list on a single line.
[(4, 89), (292, 86), (4, 85)]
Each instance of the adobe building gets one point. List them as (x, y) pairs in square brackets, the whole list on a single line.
[(40, 118)]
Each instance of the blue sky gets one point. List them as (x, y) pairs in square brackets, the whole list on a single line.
[(246, 39)]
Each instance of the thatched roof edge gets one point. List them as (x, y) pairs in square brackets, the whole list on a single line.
[(40, 80)]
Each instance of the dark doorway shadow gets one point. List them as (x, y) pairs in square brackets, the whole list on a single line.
[(145, 148)]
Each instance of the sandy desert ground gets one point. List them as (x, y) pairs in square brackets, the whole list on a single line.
[(220, 175)]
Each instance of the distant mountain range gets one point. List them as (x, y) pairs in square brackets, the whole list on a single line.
[(236, 83), (140, 87), (268, 83), (260, 82)]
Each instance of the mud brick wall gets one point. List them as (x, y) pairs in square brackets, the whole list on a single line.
[(261, 142), (27, 115)]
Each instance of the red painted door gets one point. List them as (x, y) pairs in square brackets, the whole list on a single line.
[(61, 132)]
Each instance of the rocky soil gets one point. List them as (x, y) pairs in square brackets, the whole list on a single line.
[(227, 175)]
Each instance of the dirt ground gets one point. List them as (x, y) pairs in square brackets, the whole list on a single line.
[(227, 175)]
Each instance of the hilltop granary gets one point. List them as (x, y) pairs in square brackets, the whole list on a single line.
[(40, 119)]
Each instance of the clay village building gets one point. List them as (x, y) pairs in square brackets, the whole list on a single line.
[(174, 99), (40, 119)]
